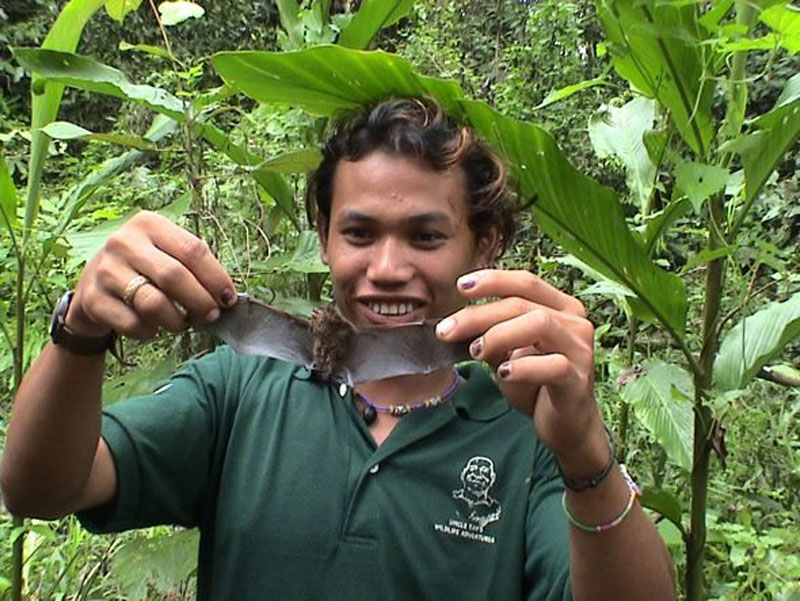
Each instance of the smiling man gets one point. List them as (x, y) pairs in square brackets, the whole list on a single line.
[(306, 490)]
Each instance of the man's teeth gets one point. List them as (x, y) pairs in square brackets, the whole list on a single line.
[(392, 308)]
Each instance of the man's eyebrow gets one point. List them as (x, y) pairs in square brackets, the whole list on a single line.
[(426, 218)]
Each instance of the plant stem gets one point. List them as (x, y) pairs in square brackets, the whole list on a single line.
[(703, 421), (19, 361)]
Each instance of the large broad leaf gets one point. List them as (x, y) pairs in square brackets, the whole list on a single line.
[(655, 46), (305, 258), (373, 16), (8, 197), (64, 130), (299, 161), (784, 19), (776, 132), (754, 341), (661, 401), (620, 132), (568, 91), (46, 98), (699, 181), (87, 74), (135, 382), (584, 217), (288, 12), (117, 9), (175, 12), (158, 565)]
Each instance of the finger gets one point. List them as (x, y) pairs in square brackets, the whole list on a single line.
[(111, 311), (174, 282), (474, 320), (553, 370), (194, 254), (502, 283), (545, 330), (155, 308)]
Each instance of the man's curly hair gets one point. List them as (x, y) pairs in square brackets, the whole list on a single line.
[(418, 128)]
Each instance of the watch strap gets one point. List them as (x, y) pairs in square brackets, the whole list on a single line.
[(63, 336)]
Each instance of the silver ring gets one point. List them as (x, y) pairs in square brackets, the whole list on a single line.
[(133, 287)]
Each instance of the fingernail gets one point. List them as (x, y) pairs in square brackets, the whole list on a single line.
[(466, 282), (504, 370), (228, 298), (476, 347), (445, 326), (213, 315)]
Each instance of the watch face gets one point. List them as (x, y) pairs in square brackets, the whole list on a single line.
[(59, 315)]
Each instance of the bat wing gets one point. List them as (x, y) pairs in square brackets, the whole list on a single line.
[(383, 352), (254, 328)]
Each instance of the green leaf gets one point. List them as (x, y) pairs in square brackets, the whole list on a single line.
[(619, 132), (63, 35), (755, 341), (706, 256), (300, 161), (665, 503), (87, 74), (373, 16), (147, 48), (305, 258), (8, 197), (585, 218), (660, 399), (73, 200), (158, 565), (173, 13), (654, 45), (325, 79), (563, 93), (117, 9), (699, 181), (659, 223), (136, 382), (288, 12), (64, 130), (784, 19), (777, 131)]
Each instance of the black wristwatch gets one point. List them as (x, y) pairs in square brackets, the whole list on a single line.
[(61, 335)]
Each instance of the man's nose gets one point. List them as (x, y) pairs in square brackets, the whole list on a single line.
[(389, 263)]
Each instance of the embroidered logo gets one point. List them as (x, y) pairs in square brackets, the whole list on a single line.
[(477, 507)]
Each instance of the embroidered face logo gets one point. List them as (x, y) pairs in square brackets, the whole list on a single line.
[(477, 479)]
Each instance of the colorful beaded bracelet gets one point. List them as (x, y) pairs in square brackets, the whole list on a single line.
[(596, 529)]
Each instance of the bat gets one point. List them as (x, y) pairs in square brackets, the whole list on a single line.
[(333, 347)]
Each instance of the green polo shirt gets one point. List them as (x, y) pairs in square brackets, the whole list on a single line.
[(295, 501)]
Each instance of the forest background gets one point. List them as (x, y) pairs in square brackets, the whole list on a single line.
[(683, 189)]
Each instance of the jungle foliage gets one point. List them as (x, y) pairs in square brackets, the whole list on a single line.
[(654, 142)]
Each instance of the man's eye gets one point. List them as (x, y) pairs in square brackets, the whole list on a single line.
[(428, 238), (359, 234)]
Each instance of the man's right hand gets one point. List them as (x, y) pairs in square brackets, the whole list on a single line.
[(180, 269)]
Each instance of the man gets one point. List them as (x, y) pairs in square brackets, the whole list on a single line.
[(306, 490)]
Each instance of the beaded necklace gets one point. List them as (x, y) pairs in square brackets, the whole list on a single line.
[(370, 411)]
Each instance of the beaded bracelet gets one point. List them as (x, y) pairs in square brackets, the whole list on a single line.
[(596, 529)]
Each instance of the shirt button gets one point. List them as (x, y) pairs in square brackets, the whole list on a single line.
[(342, 390), (374, 469)]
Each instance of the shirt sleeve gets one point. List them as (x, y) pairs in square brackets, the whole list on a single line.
[(547, 543), (162, 446)]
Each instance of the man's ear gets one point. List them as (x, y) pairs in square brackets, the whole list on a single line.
[(322, 232), (488, 246)]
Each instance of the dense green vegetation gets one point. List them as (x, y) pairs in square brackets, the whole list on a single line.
[(673, 213)]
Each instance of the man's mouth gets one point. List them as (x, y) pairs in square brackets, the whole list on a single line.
[(391, 312), (392, 308)]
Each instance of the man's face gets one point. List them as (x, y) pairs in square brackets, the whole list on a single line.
[(398, 238), (479, 475)]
